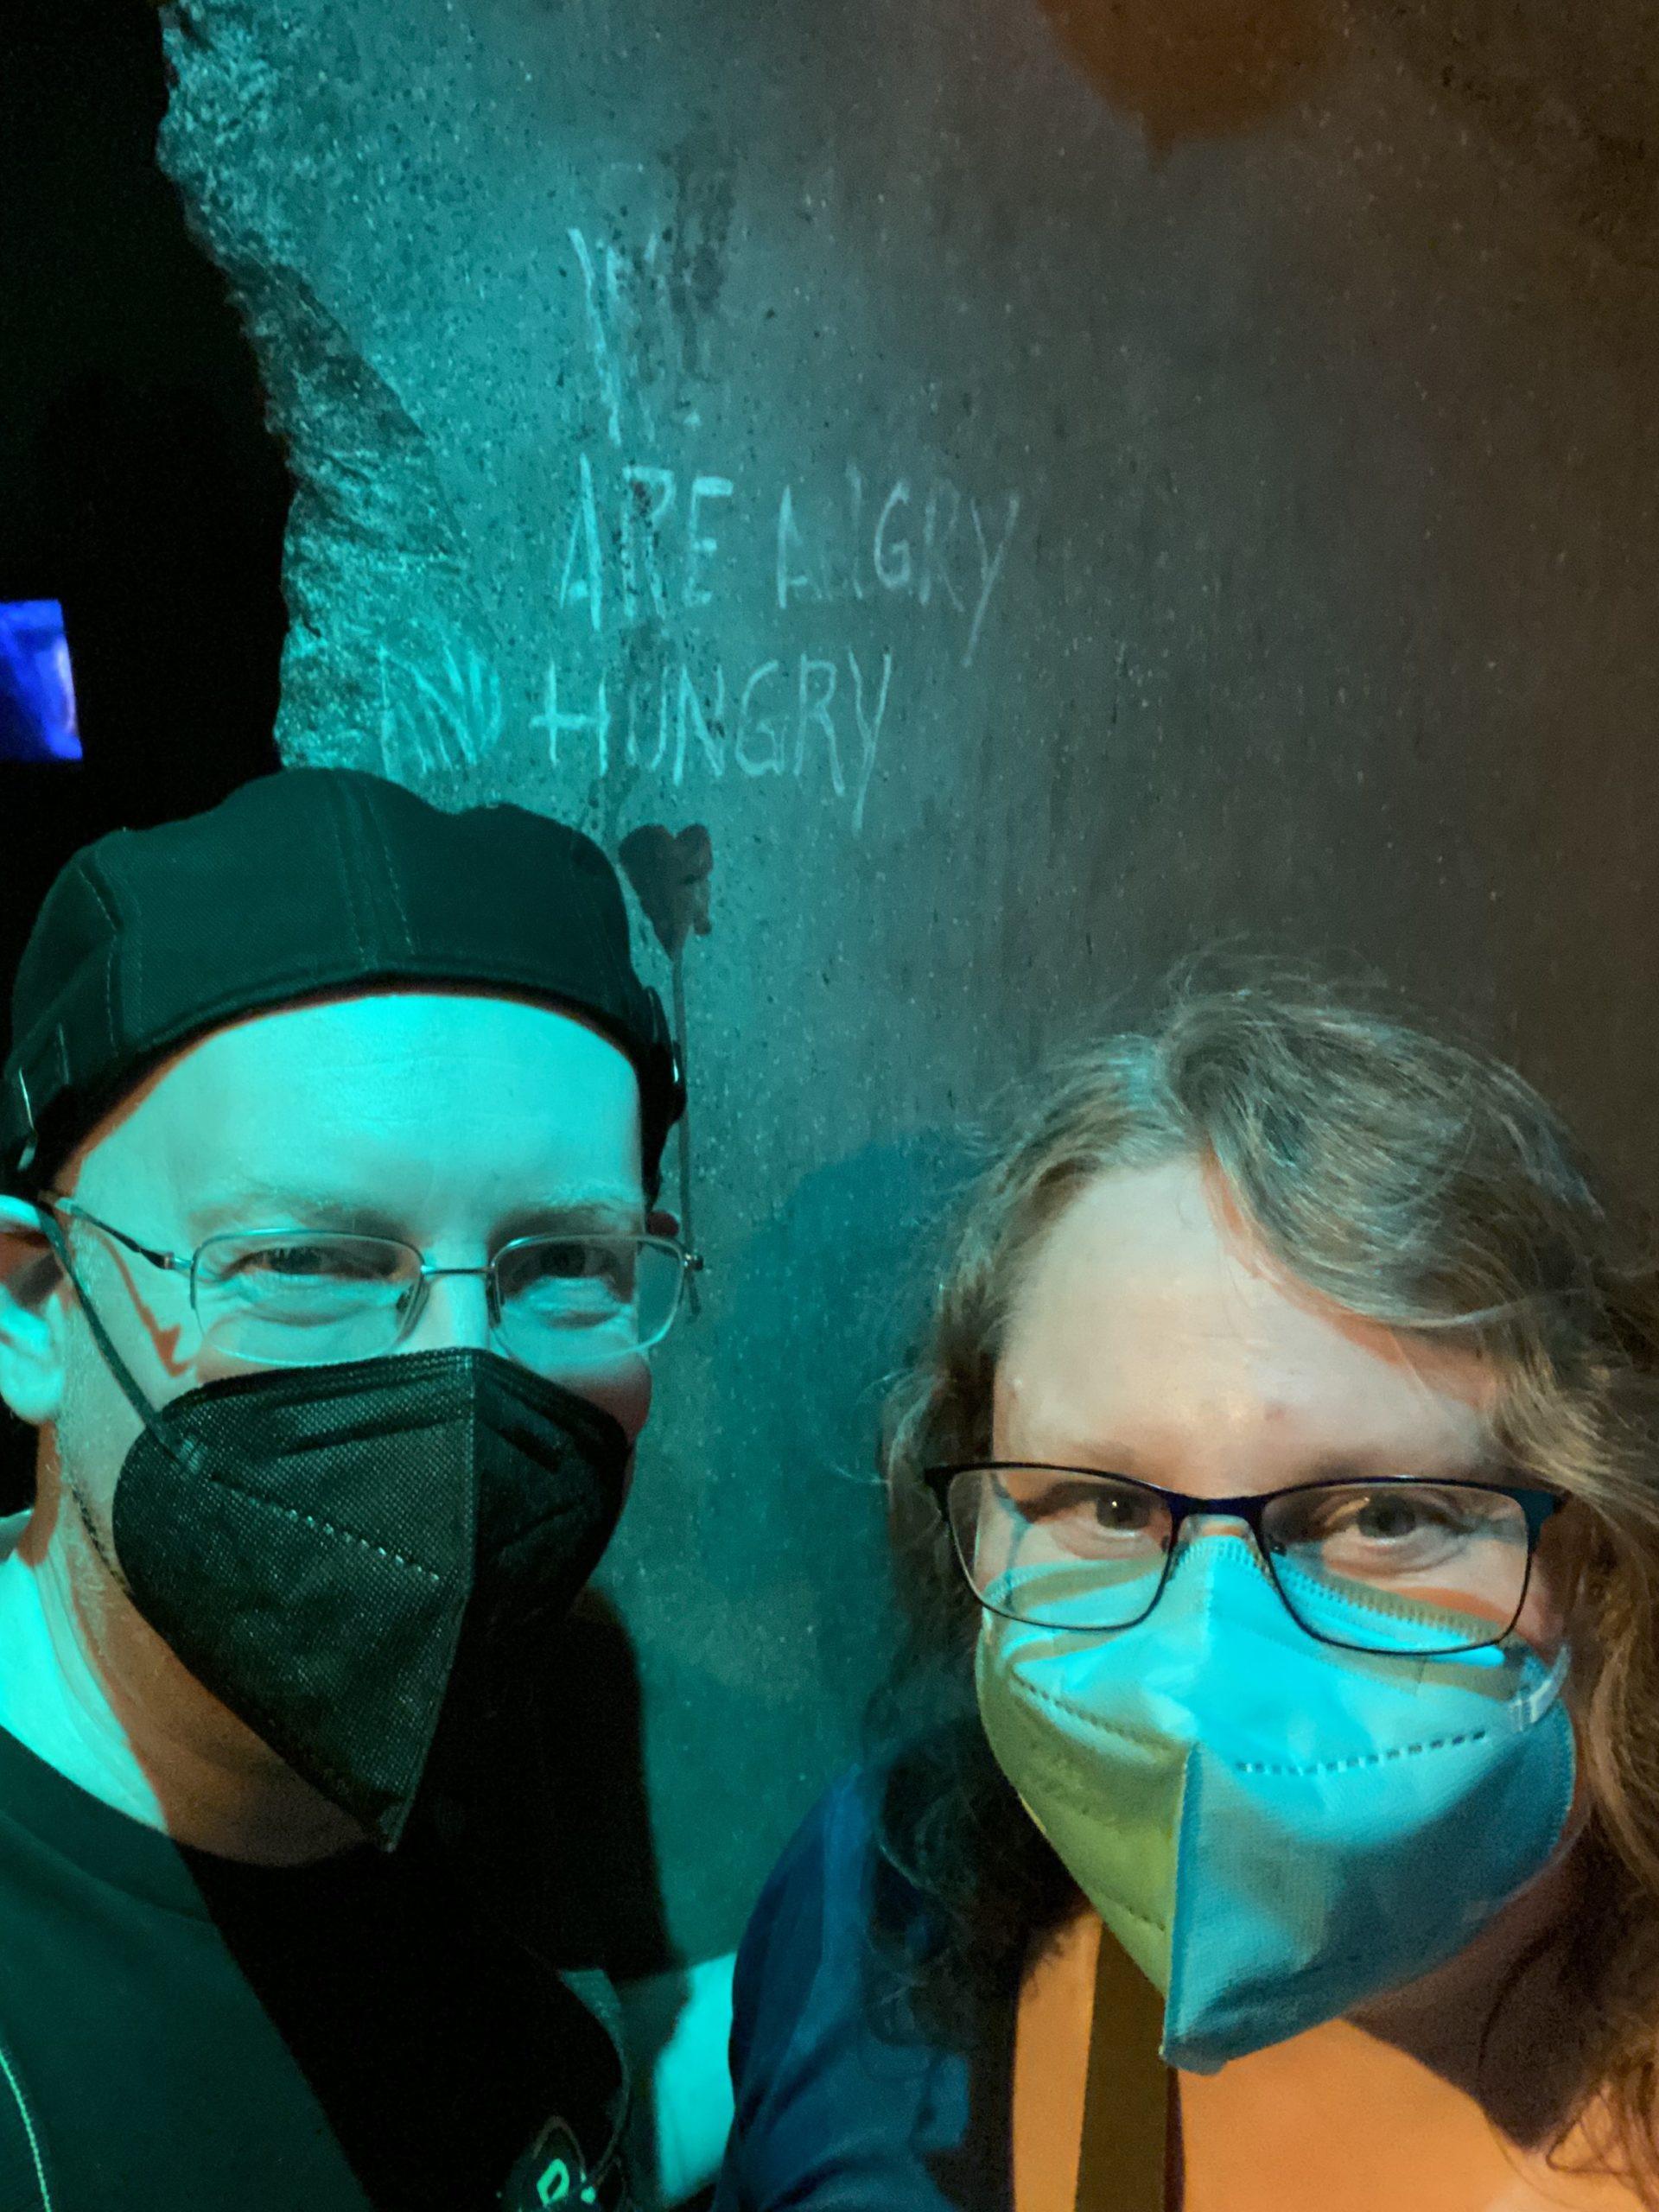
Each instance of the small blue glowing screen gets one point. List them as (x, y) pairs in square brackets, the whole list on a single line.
[(37, 693)]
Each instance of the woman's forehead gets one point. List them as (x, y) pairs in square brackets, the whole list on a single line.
[(1149, 1303)]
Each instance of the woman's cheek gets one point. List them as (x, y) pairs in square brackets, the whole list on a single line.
[(1555, 1570)]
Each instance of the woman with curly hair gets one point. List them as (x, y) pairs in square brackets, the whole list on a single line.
[(1267, 1818)]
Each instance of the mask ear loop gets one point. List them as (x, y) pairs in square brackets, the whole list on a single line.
[(112, 1359), (130, 1391), (1528, 1706)]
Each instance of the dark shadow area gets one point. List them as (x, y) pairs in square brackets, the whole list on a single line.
[(428, 1973), (433, 2038), (1569, 95), (1197, 68), (593, 1861), (139, 484)]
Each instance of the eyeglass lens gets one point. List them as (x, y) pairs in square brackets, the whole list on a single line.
[(324, 1297), (1390, 1567)]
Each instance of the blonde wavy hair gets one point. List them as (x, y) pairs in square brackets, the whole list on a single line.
[(1418, 1183)]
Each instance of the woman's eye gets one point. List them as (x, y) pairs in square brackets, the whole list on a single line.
[(1385, 1518), (1122, 1514), (1089, 1512), (1075, 1501), (1041, 1504)]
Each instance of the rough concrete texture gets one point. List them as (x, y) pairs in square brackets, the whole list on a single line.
[(1047, 486)]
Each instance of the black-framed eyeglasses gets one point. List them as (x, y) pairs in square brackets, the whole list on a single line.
[(1398, 1565), (321, 1297)]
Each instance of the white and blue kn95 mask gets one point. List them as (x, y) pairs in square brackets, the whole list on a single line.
[(1274, 1828)]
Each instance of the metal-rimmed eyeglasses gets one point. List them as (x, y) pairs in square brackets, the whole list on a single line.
[(321, 1297), (1399, 1565)]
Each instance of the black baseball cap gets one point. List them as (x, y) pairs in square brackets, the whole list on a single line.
[(301, 885)]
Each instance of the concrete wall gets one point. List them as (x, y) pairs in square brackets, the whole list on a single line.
[(1045, 485)]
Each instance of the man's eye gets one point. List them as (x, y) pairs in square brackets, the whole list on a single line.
[(564, 1261), (298, 1262), (594, 1267), (322, 1261)]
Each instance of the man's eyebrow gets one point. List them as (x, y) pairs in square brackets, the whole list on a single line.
[(606, 1212), (257, 1205)]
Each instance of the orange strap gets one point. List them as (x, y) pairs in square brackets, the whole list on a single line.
[(1128, 2096), (1111, 2088)]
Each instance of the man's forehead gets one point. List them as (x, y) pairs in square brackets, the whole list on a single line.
[(377, 1040), (395, 1095)]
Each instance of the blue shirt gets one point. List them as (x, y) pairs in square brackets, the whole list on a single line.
[(834, 2112)]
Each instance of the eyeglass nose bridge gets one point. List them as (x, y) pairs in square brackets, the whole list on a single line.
[(414, 1302), (1246, 1512), (1187, 1524), (1246, 1516)]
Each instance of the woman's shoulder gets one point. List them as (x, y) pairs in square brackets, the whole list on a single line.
[(816, 1909), (836, 2094), (836, 1895)]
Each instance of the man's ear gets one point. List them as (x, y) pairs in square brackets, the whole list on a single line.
[(31, 1349), (660, 1222)]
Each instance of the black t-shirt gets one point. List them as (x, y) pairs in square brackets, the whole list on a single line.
[(189, 2034)]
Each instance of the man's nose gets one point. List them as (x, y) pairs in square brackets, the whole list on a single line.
[(455, 1315)]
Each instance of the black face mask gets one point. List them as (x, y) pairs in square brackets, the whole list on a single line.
[(343, 1555)]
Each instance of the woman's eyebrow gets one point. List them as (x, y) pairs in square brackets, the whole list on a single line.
[(1481, 1462), (1084, 1459)]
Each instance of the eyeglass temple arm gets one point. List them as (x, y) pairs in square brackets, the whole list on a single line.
[(170, 1260)]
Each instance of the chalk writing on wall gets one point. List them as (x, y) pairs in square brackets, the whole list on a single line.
[(702, 621), (648, 543), (680, 551), (440, 711)]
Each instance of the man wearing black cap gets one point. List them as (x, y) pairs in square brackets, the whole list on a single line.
[(328, 1272)]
